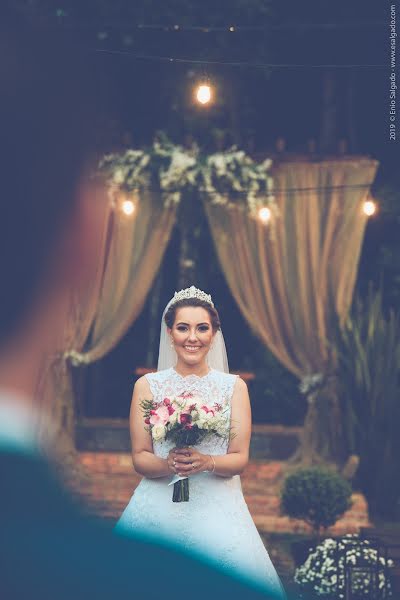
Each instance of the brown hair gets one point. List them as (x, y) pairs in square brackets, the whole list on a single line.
[(170, 315)]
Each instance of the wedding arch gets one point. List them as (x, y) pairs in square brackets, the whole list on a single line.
[(295, 230)]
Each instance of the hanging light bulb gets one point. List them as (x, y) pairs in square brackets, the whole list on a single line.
[(369, 208), (264, 214), (128, 207), (203, 93)]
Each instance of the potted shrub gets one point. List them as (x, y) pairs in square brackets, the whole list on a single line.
[(318, 496)]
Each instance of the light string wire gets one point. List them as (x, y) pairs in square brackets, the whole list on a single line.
[(232, 28), (171, 59), (62, 20)]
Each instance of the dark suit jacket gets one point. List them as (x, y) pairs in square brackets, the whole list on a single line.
[(50, 551)]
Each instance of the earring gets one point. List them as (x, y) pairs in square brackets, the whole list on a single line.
[(172, 343)]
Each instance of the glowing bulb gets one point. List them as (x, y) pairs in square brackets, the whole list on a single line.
[(203, 94), (369, 208), (128, 207), (265, 214)]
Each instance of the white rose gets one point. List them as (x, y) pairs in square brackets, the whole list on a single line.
[(195, 415), (173, 418), (158, 432)]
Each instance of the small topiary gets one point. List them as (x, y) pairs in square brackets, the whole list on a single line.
[(316, 495)]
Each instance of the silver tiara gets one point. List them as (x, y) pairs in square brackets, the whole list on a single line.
[(191, 292)]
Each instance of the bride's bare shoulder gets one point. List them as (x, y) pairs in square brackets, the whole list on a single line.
[(141, 385)]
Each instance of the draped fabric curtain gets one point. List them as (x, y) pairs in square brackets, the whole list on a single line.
[(137, 246), (289, 276), (132, 248)]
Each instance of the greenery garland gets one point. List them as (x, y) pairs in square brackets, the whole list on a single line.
[(230, 178)]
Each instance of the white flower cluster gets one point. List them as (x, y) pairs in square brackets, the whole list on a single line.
[(233, 173), (165, 166), (309, 383), (75, 358), (128, 169), (180, 172), (323, 572), (228, 178)]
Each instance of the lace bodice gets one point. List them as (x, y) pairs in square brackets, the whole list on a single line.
[(214, 387)]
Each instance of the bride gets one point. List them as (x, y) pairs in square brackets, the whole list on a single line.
[(215, 520)]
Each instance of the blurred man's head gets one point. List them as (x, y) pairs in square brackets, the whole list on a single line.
[(48, 218)]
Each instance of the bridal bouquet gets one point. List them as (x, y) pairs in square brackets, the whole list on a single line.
[(185, 420)]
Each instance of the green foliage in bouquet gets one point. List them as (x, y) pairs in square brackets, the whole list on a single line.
[(316, 495), (368, 352)]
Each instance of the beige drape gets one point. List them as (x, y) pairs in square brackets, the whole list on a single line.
[(130, 254), (138, 243), (288, 275)]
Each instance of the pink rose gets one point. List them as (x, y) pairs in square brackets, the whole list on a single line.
[(160, 416)]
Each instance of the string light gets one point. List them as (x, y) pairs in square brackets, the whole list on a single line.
[(128, 207), (203, 93), (369, 208), (126, 203), (264, 214)]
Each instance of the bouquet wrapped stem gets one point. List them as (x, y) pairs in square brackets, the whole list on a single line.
[(181, 491)]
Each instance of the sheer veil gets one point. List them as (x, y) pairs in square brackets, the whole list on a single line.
[(167, 357)]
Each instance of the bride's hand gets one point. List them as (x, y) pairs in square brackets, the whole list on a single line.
[(171, 461), (187, 461)]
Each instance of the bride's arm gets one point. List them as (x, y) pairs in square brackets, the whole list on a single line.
[(145, 462), (234, 462)]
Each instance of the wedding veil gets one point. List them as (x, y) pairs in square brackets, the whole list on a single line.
[(167, 357)]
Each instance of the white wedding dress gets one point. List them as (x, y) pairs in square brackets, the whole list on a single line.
[(216, 520)]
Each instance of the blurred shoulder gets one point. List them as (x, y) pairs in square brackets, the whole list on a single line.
[(141, 384), (240, 385)]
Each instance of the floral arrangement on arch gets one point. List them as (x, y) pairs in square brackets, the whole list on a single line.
[(234, 178), (230, 178), (164, 166), (323, 573)]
